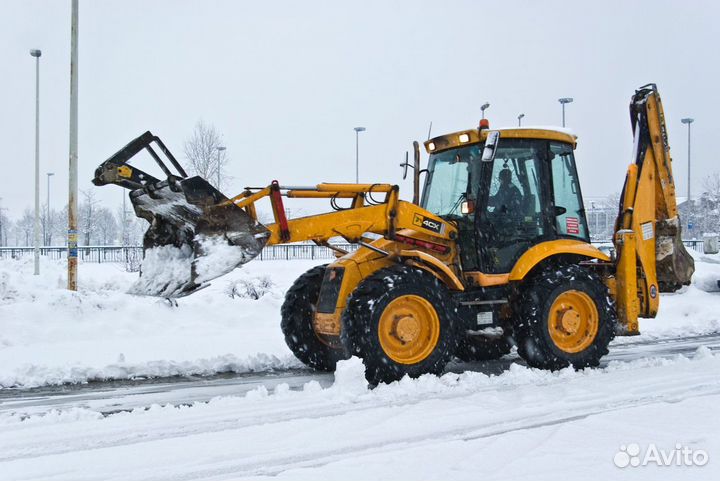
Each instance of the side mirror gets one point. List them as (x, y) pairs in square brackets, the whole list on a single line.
[(468, 207), (491, 143)]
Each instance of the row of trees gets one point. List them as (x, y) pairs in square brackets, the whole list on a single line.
[(97, 225)]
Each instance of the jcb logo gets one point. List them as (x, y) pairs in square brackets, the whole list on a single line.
[(429, 224)]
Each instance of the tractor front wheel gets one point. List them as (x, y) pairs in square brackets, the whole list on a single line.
[(297, 314)]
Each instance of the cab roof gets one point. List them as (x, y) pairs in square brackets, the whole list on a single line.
[(475, 136)]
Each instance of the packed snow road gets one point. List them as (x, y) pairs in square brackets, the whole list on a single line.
[(516, 424), (116, 396)]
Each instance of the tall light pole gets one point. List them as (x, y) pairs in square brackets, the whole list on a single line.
[(563, 101), (357, 152), (688, 121), (520, 117), (72, 238), (37, 53), (220, 149), (483, 108), (47, 219)]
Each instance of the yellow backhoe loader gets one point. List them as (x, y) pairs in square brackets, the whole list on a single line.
[(495, 253)]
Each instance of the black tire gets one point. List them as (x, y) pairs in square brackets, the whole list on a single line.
[(482, 348), (361, 320), (297, 323), (534, 342)]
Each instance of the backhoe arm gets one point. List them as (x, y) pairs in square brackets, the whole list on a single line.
[(651, 255)]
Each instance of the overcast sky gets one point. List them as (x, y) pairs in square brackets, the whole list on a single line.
[(286, 82)]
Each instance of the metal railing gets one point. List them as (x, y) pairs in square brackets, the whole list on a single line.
[(126, 254), (286, 252)]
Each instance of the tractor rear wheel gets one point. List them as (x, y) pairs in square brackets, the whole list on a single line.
[(297, 314), (400, 321), (566, 318)]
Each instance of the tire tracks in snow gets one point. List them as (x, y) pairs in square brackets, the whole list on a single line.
[(618, 389)]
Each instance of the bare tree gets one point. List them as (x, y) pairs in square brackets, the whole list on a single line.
[(106, 226), (134, 229), (88, 210), (709, 208), (26, 226), (203, 156), (49, 222), (5, 226)]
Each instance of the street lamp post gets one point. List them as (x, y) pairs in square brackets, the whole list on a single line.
[(563, 101), (483, 108), (219, 150), (357, 152), (520, 117), (47, 218), (72, 235), (37, 53), (688, 121)]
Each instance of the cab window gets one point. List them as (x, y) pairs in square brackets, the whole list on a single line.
[(569, 210)]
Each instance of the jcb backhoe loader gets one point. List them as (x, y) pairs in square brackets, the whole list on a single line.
[(497, 252)]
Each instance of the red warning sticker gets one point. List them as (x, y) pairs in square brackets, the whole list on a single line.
[(572, 225)]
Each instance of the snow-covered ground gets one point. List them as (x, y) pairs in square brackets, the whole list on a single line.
[(522, 424), (518, 423), (49, 335)]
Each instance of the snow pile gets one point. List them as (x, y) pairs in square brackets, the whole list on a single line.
[(350, 377), (707, 273), (218, 257), (164, 271), (49, 335)]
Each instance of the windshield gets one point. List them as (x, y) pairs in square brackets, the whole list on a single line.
[(448, 175)]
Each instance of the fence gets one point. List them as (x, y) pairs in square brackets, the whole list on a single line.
[(286, 252), (127, 254)]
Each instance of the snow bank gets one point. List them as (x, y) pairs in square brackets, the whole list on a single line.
[(351, 388), (49, 335), (693, 310)]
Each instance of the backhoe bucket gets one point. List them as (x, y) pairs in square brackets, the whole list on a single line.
[(675, 265), (195, 233)]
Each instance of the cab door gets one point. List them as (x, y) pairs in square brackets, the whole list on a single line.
[(570, 220), (515, 208)]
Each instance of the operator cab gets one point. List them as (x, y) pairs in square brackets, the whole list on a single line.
[(527, 193)]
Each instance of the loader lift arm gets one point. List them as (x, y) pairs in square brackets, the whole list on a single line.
[(190, 215), (651, 255)]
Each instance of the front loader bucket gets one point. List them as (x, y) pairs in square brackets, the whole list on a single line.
[(193, 237), (196, 234), (675, 265)]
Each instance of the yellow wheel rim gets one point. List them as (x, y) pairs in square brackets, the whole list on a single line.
[(573, 321), (409, 329)]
